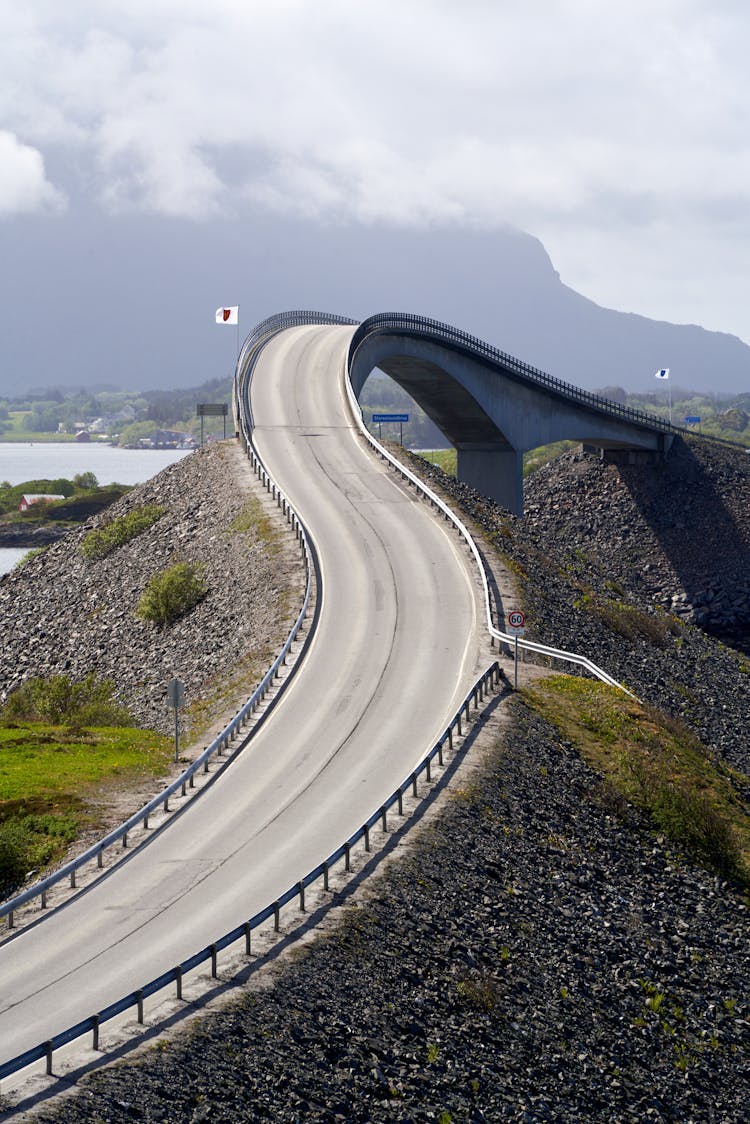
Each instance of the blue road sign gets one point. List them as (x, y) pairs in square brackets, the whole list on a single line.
[(692, 421), (390, 417)]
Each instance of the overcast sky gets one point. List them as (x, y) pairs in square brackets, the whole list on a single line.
[(618, 134)]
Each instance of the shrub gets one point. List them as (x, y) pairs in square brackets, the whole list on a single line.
[(62, 701), (173, 592), (102, 541), (28, 842)]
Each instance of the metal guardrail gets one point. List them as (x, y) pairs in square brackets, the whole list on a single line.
[(487, 681), (243, 932), (217, 747), (440, 505), (438, 332)]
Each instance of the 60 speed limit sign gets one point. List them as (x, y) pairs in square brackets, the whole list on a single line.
[(516, 619)]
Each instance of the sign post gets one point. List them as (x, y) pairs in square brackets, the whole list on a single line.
[(212, 410), (400, 418), (176, 696), (516, 622)]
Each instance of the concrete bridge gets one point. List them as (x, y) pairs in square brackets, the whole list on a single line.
[(491, 407)]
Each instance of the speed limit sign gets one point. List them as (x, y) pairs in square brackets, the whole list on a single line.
[(516, 619)]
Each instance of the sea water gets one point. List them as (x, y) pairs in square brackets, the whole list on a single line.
[(22, 461)]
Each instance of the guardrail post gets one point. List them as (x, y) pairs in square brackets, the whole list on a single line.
[(366, 831), (458, 724), (384, 817), (347, 857), (248, 935), (400, 802), (124, 839), (139, 1002), (145, 823), (450, 739), (183, 790), (276, 916), (428, 769), (99, 859), (166, 804), (48, 1054), (95, 1033), (44, 899), (72, 880), (301, 888), (325, 876), (214, 971), (10, 919), (178, 981), (414, 784), (440, 752)]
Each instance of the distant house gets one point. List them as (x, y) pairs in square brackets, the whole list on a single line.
[(30, 498), (83, 436)]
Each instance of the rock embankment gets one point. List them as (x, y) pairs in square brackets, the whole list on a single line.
[(586, 566), (61, 613), (534, 960), (540, 955), (676, 533)]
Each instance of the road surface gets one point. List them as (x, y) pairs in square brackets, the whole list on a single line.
[(396, 649)]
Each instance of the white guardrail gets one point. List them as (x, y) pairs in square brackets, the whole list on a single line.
[(503, 637), (296, 893)]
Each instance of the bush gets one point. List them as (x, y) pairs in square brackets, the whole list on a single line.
[(61, 701), (173, 592), (101, 542), (28, 842)]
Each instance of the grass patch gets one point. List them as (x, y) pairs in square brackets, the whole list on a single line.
[(50, 779), (544, 454), (253, 517), (445, 459), (657, 764), (628, 621), (102, 541)]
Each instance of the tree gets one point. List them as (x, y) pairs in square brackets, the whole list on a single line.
[(85, 480)]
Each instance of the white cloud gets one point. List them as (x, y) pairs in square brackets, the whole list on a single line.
[(605, 130), (23, 185)]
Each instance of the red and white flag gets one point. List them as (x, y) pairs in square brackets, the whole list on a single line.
[(228, 315)]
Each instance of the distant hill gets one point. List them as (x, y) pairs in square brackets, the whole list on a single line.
[(503, 288), (500, 286)]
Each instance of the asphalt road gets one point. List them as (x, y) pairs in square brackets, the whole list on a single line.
[(396, 649)]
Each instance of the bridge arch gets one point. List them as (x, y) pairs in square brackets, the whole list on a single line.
[(492, 407)]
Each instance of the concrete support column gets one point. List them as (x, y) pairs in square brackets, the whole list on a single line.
[(496, 473)]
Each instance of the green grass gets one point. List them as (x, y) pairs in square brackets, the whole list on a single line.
[(52, 783), (629, 621), (445, 459), (45, 765), (543, 454), (656, 763), (253, 517)]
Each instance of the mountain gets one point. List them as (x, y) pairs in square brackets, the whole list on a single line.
[(129, 301)]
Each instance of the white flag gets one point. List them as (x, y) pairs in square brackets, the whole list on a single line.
[(663, 373), (228, 315)]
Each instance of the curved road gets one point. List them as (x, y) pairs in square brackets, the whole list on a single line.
[(396, 649)]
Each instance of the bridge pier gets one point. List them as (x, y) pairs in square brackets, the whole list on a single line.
[(496, 473)]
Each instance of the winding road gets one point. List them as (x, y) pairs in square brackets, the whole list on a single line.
[(396, 648)]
